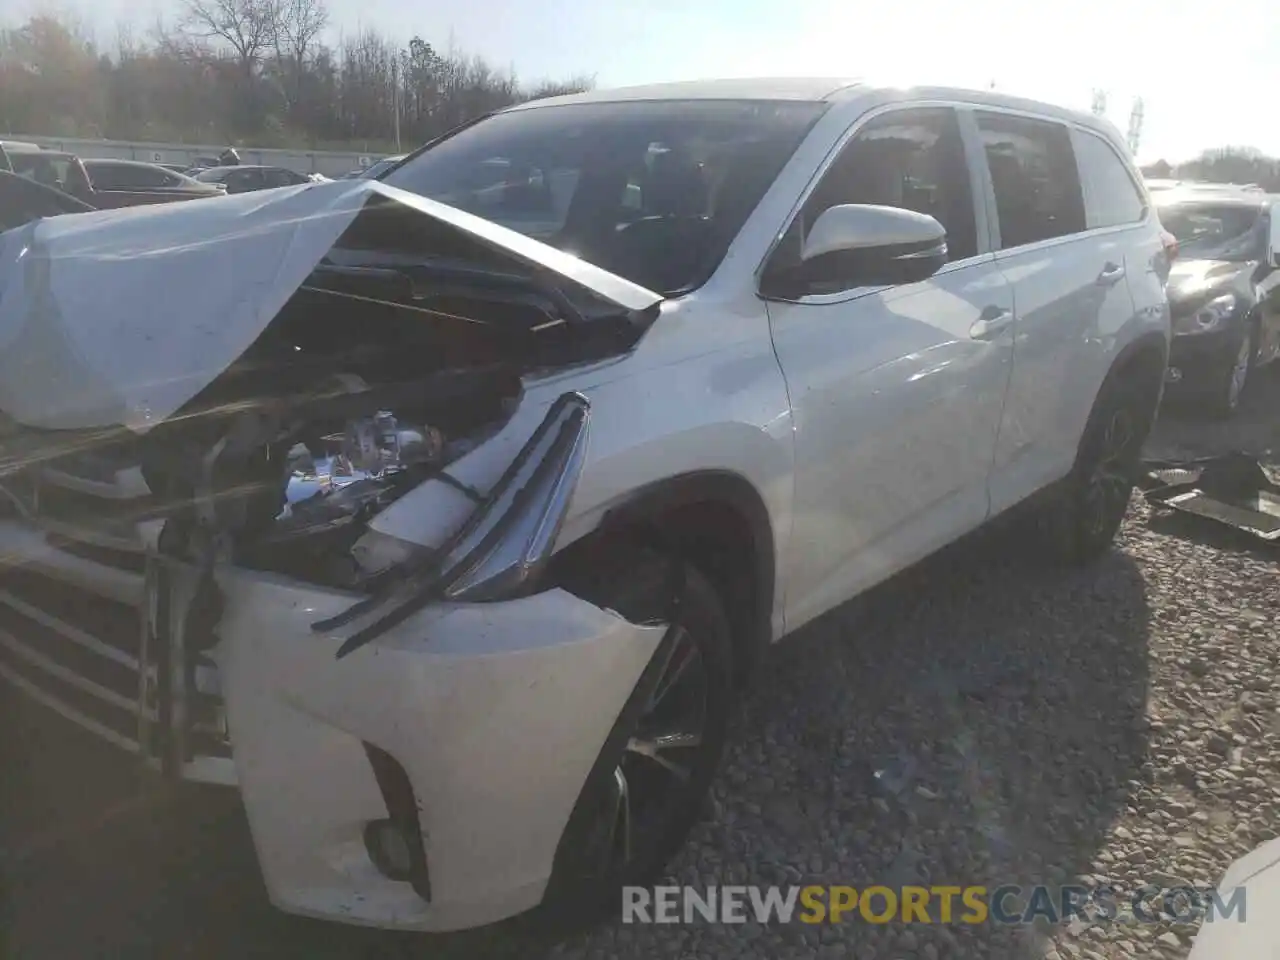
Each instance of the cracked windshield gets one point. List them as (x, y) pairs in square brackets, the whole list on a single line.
[(688, 481)]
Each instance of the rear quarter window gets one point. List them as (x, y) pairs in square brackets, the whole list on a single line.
[(1112, 198)]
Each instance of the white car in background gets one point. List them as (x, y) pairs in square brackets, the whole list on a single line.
[(449, 547), (1253, 934)]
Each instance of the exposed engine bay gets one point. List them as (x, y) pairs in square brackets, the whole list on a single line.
[(402, 349)]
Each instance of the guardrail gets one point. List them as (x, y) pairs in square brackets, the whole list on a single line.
[(329, 163)]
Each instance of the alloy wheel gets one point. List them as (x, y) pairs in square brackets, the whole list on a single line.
[(658, 759), (1110, 483)]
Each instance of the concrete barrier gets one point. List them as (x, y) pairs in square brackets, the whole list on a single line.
[(329, 163)]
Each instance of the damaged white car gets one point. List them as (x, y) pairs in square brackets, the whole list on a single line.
[(443, 516)]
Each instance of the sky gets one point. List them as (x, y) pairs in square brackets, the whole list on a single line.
[(1204, 77)]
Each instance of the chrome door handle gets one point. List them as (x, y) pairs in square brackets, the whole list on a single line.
[(1111, 273), (990, 322)]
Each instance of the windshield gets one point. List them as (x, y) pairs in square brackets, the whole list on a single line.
[(1215, 231), (653, 191)]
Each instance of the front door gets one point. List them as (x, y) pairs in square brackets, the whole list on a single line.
[(896, 392)]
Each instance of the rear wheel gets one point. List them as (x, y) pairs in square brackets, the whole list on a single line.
[(1081, 519), (647, 787)]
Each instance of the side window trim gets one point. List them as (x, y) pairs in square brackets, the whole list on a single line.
[(984, 193), (985, 251)]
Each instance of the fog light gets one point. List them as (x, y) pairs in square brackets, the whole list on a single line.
[(1172, 375), (389, 849)]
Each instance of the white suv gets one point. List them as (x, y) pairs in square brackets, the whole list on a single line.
[(443, 515)]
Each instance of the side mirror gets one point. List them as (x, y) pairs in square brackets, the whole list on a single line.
[(861, 245)]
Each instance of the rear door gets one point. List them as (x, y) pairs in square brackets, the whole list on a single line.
[(1069, 288)]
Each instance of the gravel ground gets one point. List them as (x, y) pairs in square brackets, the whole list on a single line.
[(1114, 725)]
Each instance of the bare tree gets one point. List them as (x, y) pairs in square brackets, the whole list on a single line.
[(248, 27), (241, 69), (300, 23)]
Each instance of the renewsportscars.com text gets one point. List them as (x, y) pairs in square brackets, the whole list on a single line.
[(1009, 904)]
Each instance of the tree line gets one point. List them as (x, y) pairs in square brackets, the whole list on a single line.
[(1240, 165), (254, 72)]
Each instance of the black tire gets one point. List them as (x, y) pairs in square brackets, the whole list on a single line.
[(1079, 521), (642, 585), (1231, 381)]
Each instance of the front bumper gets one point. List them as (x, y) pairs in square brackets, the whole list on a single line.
[(465, 728), (1196, 359), (495, 711)]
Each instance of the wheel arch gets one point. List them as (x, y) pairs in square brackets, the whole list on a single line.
[(1146, 356), (1145, 353), (715, 519)]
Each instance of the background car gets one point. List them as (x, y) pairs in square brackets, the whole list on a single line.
[(245, 179), (107, 184), (137, 175), (1224, 290), (23, 200), (374, 170)]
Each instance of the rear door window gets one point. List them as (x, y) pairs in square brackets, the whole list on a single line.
[(242, 181), (124, 176), (280, 177), (1034, 176), (1112, 198)]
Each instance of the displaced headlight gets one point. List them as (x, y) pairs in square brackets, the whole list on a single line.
[(501, 548), (1211, 317), (376, 553)]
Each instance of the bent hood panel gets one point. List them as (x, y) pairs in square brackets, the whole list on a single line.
[(122, 317)]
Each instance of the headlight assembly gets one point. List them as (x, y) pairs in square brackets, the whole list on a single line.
[(1211, 317), (499, 551)]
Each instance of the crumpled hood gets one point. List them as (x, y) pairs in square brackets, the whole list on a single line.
[(1192, 282), (122, 317)]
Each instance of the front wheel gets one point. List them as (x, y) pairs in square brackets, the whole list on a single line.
[(646, 790)]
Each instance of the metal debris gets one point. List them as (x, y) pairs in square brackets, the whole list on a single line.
[(1235, 490)]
